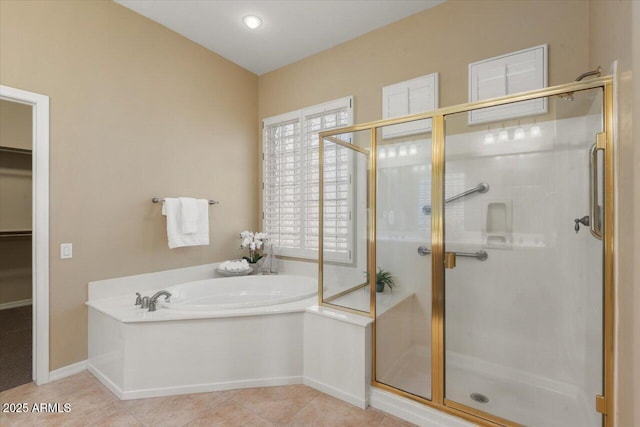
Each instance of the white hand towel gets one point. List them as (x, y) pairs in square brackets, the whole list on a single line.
[(202, 233), (189, 211), (172, 209)]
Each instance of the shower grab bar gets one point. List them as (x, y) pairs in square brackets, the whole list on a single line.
[(158, 200), (483, 187), (480, 255), (595, 223)]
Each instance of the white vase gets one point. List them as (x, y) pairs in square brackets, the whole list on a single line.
[(256, 266)]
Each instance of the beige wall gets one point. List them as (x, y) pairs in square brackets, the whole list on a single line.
[(610, 39), (15, 202), (15, 125), (15, 270), (136, 111), (15, 168), (443, 39)]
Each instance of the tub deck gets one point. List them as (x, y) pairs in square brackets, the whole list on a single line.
[(122, 309)]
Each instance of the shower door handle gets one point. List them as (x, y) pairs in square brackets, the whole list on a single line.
[(449, 257), (596, 220), (449, 260)]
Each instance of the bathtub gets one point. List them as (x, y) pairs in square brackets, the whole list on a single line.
[(239, 292), (213, 334)]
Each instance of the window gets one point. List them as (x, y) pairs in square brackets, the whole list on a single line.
[(291, 181)]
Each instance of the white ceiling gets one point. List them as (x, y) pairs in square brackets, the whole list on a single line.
[(292, 29)]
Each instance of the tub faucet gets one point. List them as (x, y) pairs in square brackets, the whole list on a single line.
[(154, 299)]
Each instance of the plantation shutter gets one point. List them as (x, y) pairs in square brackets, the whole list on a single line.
[(303, 172), (282, 204), (337, 180)]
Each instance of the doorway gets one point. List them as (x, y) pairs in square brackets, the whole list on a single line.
[(24, 234), (16, 147)]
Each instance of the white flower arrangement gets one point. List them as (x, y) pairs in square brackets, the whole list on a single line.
[(255, 242)]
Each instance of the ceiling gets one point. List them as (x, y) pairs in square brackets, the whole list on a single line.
[(292, 29)]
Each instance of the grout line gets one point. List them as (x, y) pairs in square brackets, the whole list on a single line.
[(136, 418), (302, 407)]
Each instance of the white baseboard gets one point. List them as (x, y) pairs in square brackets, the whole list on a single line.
[(205, 388), (15, 304), (67, 371), (105, 381), (413, 412), (338, 394), (189, 389)]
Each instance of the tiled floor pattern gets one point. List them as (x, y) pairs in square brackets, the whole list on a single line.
[(93, 405)]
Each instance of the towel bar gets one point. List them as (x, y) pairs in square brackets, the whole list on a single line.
[(158, 200)]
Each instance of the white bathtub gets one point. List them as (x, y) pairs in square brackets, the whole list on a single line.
[(239, 292), (213, 334)]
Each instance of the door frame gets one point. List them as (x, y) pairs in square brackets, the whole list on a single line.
[(40, 226)]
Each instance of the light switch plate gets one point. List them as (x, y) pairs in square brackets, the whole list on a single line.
[(66, 250)]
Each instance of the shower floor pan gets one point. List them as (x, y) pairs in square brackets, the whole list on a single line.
[(531, 403)]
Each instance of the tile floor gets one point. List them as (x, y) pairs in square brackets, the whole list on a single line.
[(93, 405)]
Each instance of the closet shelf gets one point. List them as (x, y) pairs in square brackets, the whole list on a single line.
[(15, 233), (15, 150)]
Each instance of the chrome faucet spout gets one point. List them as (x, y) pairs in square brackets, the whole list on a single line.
[(154, 299), (159, 294)]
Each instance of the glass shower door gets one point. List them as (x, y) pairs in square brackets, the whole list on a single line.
[(523, 304), (403, 223)]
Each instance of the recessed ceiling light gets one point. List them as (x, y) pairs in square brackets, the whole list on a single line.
[(252, 21)]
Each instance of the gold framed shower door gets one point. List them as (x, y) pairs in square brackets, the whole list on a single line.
[(604, 404)]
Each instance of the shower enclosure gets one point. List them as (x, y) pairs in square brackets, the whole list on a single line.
[(497, 227)]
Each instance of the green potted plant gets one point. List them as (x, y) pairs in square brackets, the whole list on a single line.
[(383, 278)]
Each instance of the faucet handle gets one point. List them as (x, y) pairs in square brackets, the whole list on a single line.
[(138, 299), (584, 221), (145, 302)]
